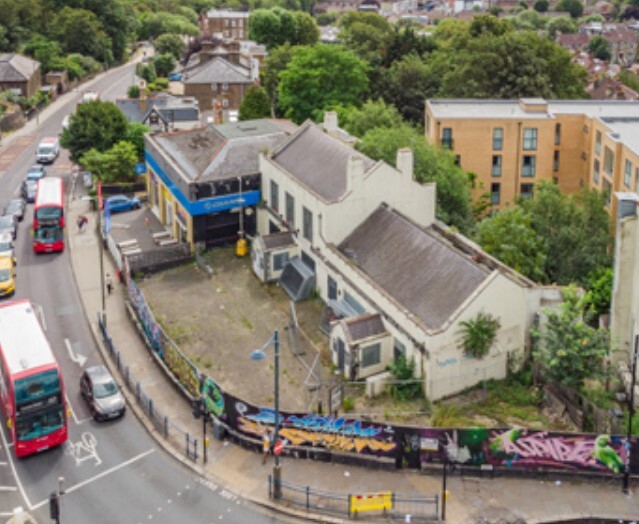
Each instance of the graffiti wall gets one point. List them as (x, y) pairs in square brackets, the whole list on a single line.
[(408, 446)]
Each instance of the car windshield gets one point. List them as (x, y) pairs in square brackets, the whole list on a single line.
[(5, 275), (13, 206), (104, 389), (45, 150), (5, 245), (6, 221), (34, 175)]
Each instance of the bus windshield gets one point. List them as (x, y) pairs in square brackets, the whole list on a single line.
[(37, 386), (48, 213), (48, 234), (39, 424)]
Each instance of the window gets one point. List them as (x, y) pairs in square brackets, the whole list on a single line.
[(275, 196), (279, 261), (213, 88), (371, 355), (307, 218), (555, 161), (498, 138), (526, 190), (458, 160), (447, 137), (557, 134), (595, 172), (290, 210), (530, 138), (627, 174), (609, 160), (637, 180), (225, 87), (352, 301), (529, 165), (308, 261), (225, 103), (607, 190), (598, 142), (496, 165), (399, 349), (332, 288), (586, 129), (495, 190)]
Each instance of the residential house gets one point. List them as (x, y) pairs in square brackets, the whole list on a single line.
[(204, 183), (20, 74), (225, 23), (623, 44), (575, 43), (339, 6), (161, 113), (513, 144), (611, 89), (363, 234)]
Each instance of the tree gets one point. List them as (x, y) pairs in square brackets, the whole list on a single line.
[(319, 77), (276, 62), (567, 347), (406, 41), (114, 165), (574, 7), (373, 114), (599, 47), (541, 6), (367, 34), (133, 92), (478, 334), (135, 135), (561, 24), (80, 31), (432, 164), (152, 25), (255, 104), (170, 43), (307, 32), (273, 27), (147, 72), (96, 125), (599, 294), (164, 64), (47, 52), (510, 237)]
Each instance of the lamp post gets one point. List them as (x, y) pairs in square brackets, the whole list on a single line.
[(633, 382), (259, 354)]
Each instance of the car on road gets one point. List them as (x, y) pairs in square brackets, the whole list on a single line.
[(28, 190), (16, 207), (120, 203), (6, 247), (36, 172), (7, 276), (101, 393), (9, 224)]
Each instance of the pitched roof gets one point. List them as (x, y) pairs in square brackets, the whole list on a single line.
[(433, 279), (220, 152), (218, 70), (170, 108), (363, 327), (16, 68), (318, 161)]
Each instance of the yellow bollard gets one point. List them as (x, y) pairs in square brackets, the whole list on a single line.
[(240, 248)]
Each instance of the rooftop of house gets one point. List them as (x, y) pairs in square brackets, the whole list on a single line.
[(218, 70), (220, 152), (625, 130), (226, 13), (473, 108), (363, 327), (16, 68), (434, 278), (318, 161), (278, 240), (171, 108)]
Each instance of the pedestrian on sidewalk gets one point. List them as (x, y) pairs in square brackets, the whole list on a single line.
[(109, 284), (266, 444), (82, 222)]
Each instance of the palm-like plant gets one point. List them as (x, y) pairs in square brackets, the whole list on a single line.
[(478, 334)]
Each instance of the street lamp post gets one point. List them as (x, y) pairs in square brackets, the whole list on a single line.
[(259, 354), (633, 383)]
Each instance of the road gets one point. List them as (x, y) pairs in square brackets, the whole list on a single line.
[(113, 472)]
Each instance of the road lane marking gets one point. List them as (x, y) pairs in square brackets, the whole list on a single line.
[(13, 468), (8, 488), (77, 420), (96, 477), (40, 313), (77, 358), (84, 449)]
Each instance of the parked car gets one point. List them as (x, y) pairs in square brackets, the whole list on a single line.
[(16, 207), (119, 203), (6, 247), (48, 150), (7, 277), (28, 189), (175, 77), (36, 172), (9, 224), (101, 393)]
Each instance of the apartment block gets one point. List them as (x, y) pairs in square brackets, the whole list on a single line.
[(225, 24), (511, 145)]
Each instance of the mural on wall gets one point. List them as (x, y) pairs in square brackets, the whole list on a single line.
[(409, 446)]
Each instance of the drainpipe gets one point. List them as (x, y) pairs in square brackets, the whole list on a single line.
[(518, 160)]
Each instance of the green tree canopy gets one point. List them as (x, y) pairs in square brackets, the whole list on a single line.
[(135, 135), (541, 6), (574, 7), (170, 43), (432, 164), (307, 32), (96, 125), (117, 164), (509, 236), (599, 290), (164, 64), (367, 34), (406, 41), (599, 47), (319, 77), (47, 52), (373, 114), (561, 24), (567, 347), (273, 27), (152, 25), (255, 104), (80, 31), (276, 62)]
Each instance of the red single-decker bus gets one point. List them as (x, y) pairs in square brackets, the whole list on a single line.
[(31, 386), (48, 216)]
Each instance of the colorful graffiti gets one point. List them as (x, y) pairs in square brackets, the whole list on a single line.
[(181, 367), (213, 397), (151, 328)]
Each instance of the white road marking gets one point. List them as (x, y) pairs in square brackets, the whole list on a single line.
[(13, 468), (78, 359), (77, 421), (96, 477), (84, 449), (41, 315), (3, 463), (8, 488)]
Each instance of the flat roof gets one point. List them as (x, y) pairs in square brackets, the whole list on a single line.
[(627, 132), (21, 338)]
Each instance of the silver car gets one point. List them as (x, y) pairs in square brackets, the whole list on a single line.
[(102, 393)]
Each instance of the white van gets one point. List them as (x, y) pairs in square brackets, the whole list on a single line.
[(48, 150)]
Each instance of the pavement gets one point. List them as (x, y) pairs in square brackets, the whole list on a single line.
[(240, 471)]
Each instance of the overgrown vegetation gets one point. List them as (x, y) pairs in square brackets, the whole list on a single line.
[(404, 387), (478, 334)]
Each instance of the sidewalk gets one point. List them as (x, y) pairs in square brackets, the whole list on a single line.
[(241, 471)]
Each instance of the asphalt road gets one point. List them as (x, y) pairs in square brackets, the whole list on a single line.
[(113, 472)]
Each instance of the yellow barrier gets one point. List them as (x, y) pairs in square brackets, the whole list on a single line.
[(371, 502)]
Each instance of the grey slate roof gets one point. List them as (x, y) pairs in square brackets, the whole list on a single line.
[(220, 152), (363, 327), (318, 161), (218, 70), (277, 240), (170, 108), (417, 267), (16, 68)]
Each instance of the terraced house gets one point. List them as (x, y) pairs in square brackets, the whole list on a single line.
[(513, 144)]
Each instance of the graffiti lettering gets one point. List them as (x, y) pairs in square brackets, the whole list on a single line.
[(447, 362)]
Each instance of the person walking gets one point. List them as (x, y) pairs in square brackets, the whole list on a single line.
[(82, 222), (109, 284), (266, 444)]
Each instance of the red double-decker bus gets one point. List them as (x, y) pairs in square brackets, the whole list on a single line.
[(31, 387), (48, 216)]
